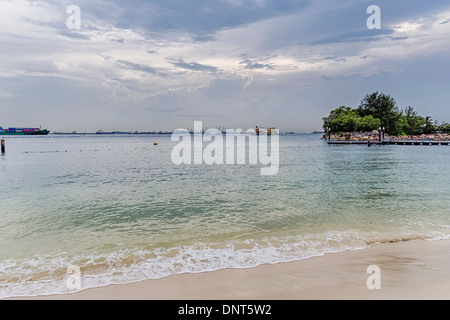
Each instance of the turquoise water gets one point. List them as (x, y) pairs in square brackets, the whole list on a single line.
[(118, 208)]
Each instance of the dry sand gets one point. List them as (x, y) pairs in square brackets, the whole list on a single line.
[(409, 270)]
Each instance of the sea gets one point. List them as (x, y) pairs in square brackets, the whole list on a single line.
[(79, 212)]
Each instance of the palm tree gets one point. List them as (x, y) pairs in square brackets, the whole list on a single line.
[(429, 126)]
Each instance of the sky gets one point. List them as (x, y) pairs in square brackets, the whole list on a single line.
[(162, 64)]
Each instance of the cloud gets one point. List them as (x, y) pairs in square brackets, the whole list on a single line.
[(362, 35), (259, 63), (283, 61), (139, 67), (203, 18), (5, 93), (398, 38), (74, 35), (194, 66)]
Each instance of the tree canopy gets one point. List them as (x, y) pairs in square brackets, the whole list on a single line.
[(382, 107), (378, 110)]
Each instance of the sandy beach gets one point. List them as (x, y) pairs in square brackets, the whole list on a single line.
[(408, 270)]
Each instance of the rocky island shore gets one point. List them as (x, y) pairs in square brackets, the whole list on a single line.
[(375, 135)]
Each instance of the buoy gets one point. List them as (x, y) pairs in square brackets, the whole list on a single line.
[(155, 143)]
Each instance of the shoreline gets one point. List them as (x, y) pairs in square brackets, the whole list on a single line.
[(376, 136), (408, 270)]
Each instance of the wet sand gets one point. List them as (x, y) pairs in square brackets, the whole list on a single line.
[(408, 270)]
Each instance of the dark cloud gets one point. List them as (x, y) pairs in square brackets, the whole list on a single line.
[(139, 67), (118, 40), (398, 38), (74, 34), (204, 37), (363, 35), (180, 63), (251, 64), (200, 17)]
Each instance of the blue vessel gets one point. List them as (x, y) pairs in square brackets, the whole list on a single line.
[(23, 132)]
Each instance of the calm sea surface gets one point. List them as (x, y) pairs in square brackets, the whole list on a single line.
[(121, 211)]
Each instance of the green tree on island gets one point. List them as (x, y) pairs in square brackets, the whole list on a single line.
[(414, 123), (378, 110), (429, 126), (346, 119), (384, 108), (444, 127)]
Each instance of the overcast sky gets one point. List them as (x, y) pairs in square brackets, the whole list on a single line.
[(160, 65)]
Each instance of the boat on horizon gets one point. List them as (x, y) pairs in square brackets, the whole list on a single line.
[(23, 132), (113, 132)]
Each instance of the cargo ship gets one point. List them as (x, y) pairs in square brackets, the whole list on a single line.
[(23, 132)]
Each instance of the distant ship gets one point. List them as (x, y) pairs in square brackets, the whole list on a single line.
[(23, 132), (113, 132), (103, 132)]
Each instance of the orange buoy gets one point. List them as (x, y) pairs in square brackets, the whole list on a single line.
[(155, 143)]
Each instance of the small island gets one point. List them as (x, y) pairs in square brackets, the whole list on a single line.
[(379, 119)]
